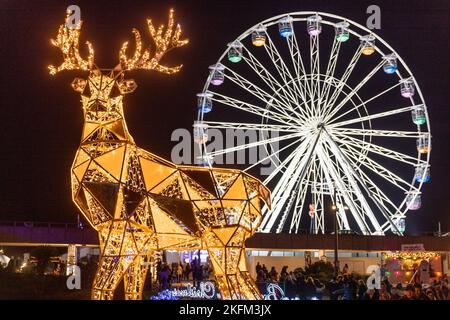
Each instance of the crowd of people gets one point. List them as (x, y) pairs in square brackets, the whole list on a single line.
[(182, 272), (347, 286)]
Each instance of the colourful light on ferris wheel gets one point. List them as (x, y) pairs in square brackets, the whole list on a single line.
[(259, 36), (235, 52), (418, 115), (422, 173), (200, 132), (390, 64), (413, 201), (313, 25), (367, 44), (407, 88), (217, 74), (423, 144), (341, 29), (204, 102), (285, 27)]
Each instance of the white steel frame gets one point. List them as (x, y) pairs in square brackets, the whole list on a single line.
[(331, 157)]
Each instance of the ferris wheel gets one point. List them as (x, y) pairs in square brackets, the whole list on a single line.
[(339, 118)]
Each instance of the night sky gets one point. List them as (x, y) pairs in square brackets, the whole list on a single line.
[(41, 118)]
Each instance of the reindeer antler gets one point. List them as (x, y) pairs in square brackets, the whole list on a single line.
[(67, 42), (163, 44)]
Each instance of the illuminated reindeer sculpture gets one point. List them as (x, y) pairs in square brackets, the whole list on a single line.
[(139, 202)]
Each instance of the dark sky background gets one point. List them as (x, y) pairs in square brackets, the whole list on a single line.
[(41, 118)]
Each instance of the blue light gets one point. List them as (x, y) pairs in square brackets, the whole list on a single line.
[(389, 69), (164, 295), (205, 108), (286, 32), (425, 179)]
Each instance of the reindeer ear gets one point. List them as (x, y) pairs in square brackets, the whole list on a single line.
[(78, 84)]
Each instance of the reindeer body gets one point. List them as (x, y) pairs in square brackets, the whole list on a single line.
[(139, 202)]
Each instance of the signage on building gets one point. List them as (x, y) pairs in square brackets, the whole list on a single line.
[(413, 247)]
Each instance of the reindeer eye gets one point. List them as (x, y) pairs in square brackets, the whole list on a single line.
[(78, 84)]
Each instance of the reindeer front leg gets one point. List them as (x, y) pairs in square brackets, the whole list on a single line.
[(227, 253), (135, 276), (115, 260)]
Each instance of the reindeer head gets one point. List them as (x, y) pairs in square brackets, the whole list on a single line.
[(104, 88)]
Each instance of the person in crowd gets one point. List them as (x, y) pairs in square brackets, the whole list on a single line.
[(332, 287), (372, 294), (301, 287), (430, 294), (320, 287), (387, 284), (179, 272), (395, 292), (273, 275), (384, 294), (349, 289), (408, 294), (345, 269), (283, 274), (418, 292), (310, 290), (159, 267), (264, 269), (198, 275), (194, 270), (258, 267), (170, 276), (290, 285), (187, 271), (164, 276), (362, 288), (261, 280)]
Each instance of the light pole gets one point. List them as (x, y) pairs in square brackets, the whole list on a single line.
[(336, 233), (336, 238)]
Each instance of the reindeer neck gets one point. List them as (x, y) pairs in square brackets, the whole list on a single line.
[(108, 127)]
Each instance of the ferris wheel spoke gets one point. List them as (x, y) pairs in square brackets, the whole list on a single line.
[(299, 204), (378, 169), (280, 192), (270, 156), (281, 67), (298, 176), (374, 116), (337, 91), (372, 147), (355, 108), (256, 91), (380, 195), (299, 66), (251, 126), (259, 93), (254, 144), (251, 108), (355, 181), (344, 190), (288, 98), (317, 190), (335, 109), (329, 75), (391, 209), (283, 165), (376, 133), (315, 71)]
